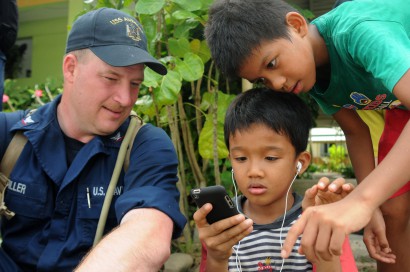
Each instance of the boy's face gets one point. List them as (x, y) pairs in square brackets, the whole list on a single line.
[(283, 65), (264, 165)]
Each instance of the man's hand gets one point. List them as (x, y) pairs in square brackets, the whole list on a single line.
[(375, 239), (325, 192), (221, 236), (325, 228)]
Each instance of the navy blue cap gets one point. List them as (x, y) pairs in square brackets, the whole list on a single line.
[(115, 37)]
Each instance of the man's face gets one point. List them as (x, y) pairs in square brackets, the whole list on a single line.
[(283, 65), (101, 96)]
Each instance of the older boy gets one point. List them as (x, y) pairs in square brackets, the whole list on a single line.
[(357, 56)]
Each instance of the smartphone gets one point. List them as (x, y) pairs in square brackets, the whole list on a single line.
[(222, 205)]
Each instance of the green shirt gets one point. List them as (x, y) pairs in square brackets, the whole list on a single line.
[(369, 51)]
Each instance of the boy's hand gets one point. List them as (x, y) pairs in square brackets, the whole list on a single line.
[(325, 228), (375, 239), (221, 236), (325, 192)]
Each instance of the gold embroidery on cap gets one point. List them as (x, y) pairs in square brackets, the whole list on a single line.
[(133, 31)]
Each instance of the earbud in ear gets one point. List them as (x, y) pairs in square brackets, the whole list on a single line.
[(232, 170), (298, 167)]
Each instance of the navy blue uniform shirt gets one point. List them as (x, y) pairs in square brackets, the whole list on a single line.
[(54, 225)]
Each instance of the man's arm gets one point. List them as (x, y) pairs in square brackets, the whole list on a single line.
[(142, 242), (325, 227)]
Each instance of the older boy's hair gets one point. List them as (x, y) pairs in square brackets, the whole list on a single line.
[(236, 27), (285, 113)]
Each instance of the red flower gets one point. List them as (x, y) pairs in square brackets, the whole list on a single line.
[(38, 93), (5, 98)]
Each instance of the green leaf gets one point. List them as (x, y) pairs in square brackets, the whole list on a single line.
[(169, 90), (145, 105), (149, 6), (190, 5), (201, 49), (149, 25), (205, 142), (178, 47), (182, 30), (207, 101), (224, 100), (191, 68), (184, 14), (206, 4), (151, 78), (206, 137)]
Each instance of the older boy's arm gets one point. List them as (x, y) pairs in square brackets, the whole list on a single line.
[(141, 242), (375, 232), (326, 266), (359, 142), (220, 237), (325, 227)]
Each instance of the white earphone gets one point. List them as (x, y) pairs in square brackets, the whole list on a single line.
[(298, 167)]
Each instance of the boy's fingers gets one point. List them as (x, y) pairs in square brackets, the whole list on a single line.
[(348, 187), (311, 192), (293, 234), (378, 253), (337, 185), (230, 222), (323, 183), (200, 215), (320, 248), (309, 198), (232, 230), (309, 240), (337, 239)]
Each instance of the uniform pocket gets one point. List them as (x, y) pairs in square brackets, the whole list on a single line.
[(89, 213), (28, 199)]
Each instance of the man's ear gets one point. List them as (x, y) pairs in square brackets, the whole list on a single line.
[(297, 22), (69, 64)]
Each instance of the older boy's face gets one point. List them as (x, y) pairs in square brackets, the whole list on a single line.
[(264, 165), (283, 65)]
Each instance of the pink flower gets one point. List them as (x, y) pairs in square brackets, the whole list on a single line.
[(5, 98), (38, 93)]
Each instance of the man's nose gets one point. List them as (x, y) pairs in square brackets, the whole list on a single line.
[(124, 96)]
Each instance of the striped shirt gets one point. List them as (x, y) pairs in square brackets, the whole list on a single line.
[(260, 250)]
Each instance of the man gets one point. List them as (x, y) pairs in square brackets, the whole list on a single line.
[(58, 185), (8, 35)]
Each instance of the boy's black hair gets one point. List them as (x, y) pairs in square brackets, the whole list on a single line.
[(285, 113), (236, 27)]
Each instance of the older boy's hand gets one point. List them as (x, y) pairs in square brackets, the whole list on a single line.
[(221, 236), (325, 228), (375, 239), (325, 192)]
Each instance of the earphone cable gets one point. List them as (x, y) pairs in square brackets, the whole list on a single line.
[(237, 260)]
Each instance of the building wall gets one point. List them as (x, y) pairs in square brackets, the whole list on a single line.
[(46, 24), (48, 45)]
